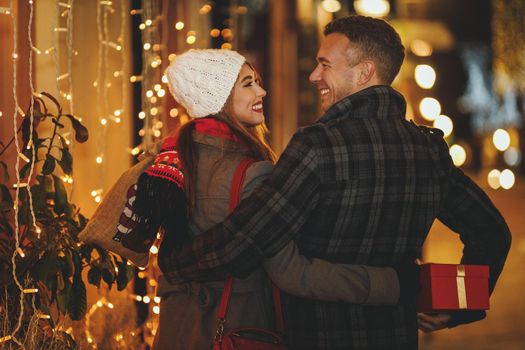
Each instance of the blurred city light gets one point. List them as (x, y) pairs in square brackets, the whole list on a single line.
[(421, 48), (372, 8), (501, 139), (331, 5), (445, 124), (493, 178), (425, 76), (512, 156), (506, 179), (430, 108), (458, 154)]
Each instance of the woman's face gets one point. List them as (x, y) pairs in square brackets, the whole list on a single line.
[(247, 98)]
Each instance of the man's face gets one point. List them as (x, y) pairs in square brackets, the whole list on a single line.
[(337, 72)]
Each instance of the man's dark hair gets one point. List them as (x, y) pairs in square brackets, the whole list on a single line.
[(377, 41)]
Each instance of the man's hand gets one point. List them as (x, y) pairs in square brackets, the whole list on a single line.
[(432, 322)]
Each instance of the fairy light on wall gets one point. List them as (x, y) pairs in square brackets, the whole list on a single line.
[(18, 250)]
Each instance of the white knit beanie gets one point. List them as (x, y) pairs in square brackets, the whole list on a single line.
[(201, 80)]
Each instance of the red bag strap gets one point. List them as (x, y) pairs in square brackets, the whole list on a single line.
[(235, 197)]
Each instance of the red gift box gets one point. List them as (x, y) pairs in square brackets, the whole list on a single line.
[(449, 287)]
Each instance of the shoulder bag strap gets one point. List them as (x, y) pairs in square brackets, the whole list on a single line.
[(235, 197)]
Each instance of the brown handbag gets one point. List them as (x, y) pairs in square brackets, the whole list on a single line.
[(246, 338)]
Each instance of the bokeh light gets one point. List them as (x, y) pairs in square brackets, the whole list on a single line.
[(425, 76), (501, 139), (493, 178), (430, 108), (458, 154), (445, 124), (507, 179)]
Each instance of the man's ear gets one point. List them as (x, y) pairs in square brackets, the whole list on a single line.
[(367, 72)]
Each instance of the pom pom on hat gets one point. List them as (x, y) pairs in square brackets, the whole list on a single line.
[(202, 80)]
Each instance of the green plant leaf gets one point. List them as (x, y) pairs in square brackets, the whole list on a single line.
[(94, 276), (66, 264), (63, 142), (63, 297), (60, 195), (25, 170), (108, 276), (49, 165), (66, 162), (47, 266), (81, 132), (77, 301), (77, 263), (6, 202), (4, 172), (123, 276)]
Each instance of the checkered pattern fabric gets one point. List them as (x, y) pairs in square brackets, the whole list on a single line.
[(361, 185)]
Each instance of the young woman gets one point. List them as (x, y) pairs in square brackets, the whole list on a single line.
[(222, 93)]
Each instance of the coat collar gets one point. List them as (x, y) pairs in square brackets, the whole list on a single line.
[(379, 102)]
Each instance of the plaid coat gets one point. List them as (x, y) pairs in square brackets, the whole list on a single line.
[(361, 185)]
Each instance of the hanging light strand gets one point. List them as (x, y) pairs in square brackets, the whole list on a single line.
[(31, 117), (17, 191)]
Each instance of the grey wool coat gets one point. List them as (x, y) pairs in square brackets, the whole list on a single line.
[(188, 311)]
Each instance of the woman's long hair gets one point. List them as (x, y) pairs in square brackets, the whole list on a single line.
[(253, 136)]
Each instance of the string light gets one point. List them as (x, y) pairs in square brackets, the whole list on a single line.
[(30, 290), (21, 253), (23, 157), (5, 339), (112, 45), (174, 112), (22, 185), (5, 10), (179, 25), (135, 151)]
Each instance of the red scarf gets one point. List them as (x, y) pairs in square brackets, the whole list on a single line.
[(217, 128)]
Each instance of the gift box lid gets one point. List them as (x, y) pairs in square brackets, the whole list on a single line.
[(451, 270)]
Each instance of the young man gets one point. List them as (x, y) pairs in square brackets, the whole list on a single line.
[(361, 185)]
